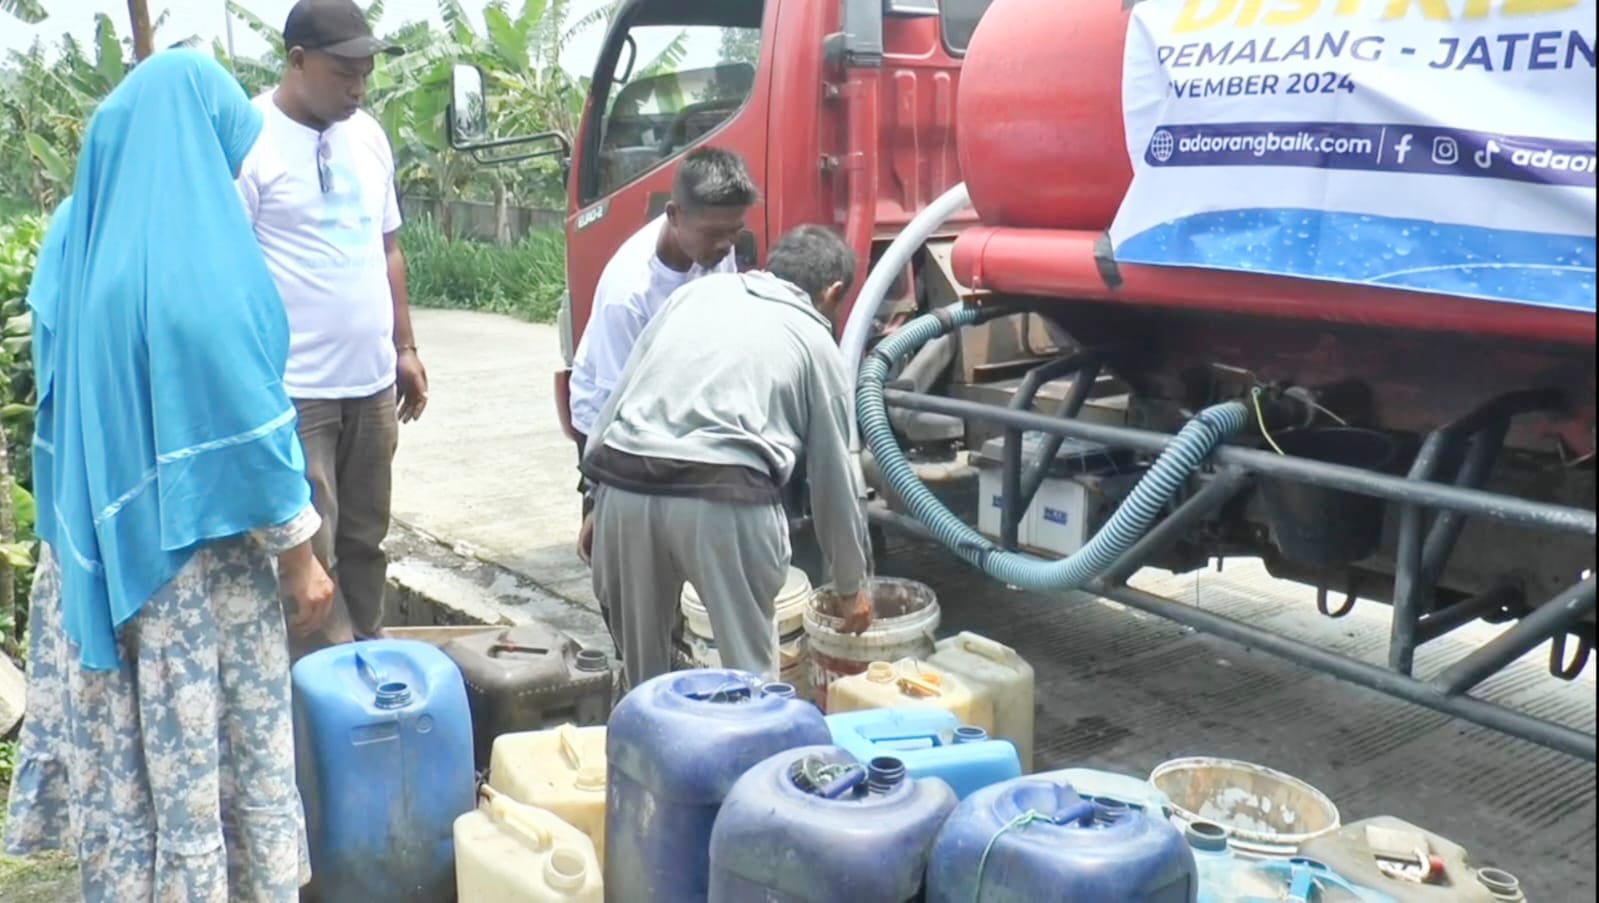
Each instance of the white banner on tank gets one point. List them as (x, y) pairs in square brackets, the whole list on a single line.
[(1437, 145)]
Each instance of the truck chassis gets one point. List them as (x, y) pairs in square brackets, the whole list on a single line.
[(1424, 548)]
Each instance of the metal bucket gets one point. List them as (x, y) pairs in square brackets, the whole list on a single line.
[(1321, 527), (1265, 813)]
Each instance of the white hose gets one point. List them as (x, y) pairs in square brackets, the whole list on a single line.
[(889, 266)]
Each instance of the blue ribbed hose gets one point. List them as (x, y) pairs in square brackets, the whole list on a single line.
[(1133, 518)]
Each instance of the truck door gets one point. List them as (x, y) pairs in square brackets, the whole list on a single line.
[(672, 75)]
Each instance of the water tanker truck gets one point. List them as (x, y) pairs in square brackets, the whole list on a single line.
[(1153, 284)]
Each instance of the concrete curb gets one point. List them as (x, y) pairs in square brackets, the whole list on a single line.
[(436, 583)]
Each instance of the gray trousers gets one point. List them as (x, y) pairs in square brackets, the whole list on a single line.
[(349, 455), (735, 556)]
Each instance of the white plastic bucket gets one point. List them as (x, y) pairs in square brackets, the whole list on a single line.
[(1266, 813), (699, 639), (905, 615)]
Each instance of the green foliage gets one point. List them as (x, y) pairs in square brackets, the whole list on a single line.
[(45, 104), (19, 253), (48, 93), (524, 280)]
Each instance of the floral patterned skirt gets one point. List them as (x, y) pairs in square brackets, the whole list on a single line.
[(172, 777)]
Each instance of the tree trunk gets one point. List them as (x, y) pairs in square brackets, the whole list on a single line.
[(446, 212), (502, 213), (143, 34)]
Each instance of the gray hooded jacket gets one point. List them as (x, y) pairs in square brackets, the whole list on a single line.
[(742, 370)]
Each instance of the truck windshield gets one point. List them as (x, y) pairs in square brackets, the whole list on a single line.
[(959, 21), (695, 69)]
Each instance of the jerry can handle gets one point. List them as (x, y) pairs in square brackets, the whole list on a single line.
[(983, 646), (920, 686), (387, 694), (911, 680), (1302, 885), (567, 735), (369, 671), (502, 809), (500, 646), (902, 739)]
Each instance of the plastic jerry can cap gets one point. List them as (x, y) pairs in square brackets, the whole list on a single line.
[(880, 672)]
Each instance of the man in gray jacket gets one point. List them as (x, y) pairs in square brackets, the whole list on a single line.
[(736, 379)]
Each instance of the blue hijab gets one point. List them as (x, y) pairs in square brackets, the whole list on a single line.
[(159, 347)]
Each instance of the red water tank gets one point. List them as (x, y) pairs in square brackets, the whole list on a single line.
[(1039, 117)]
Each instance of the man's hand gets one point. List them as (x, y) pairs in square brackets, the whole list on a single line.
[(308, 588), (856, 612), (585, 538), (410, 385)]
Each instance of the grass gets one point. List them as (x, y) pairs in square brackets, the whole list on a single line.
[(46, 878), (523, 280)]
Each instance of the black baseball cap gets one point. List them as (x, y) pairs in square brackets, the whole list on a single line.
[(336, 27)]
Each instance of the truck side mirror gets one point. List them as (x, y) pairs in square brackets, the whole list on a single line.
[(625, 72), (469, 112)]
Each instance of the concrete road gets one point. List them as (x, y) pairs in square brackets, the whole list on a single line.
[(487, 468)]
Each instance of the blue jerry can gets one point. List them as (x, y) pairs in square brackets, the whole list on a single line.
[(675, 746), (383, 749)]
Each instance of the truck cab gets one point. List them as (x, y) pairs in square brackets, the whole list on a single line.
[(844, 114)]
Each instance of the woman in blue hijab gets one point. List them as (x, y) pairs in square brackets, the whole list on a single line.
[(158, 744)]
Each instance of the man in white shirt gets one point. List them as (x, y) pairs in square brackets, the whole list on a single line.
[(711, 194), (319, 189)]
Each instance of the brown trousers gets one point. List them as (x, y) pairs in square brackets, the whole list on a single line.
[(349, 455)]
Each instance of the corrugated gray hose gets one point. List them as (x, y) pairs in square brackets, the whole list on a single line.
[(1133, 518)]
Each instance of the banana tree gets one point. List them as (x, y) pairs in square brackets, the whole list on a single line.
[(45, 106), (29, 11)]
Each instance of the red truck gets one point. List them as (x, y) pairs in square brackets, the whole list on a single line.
[(1403, 444)]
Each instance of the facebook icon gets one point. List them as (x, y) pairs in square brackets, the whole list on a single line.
[(1402, 149)]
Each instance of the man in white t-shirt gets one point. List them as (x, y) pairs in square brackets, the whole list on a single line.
[(319, 189), (711, 194)]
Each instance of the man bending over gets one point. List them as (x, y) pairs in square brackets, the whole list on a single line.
[(737, 377)]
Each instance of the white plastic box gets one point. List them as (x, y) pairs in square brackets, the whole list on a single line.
[(990, 490), (1084, 487), (1068, 511)]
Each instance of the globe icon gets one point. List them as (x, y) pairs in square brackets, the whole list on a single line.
[(1162, 146)]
